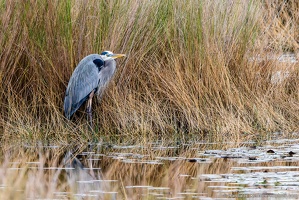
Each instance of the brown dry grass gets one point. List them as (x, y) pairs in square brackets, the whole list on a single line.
[(189, 70)]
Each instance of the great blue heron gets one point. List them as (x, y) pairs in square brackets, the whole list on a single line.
[(90, 77)]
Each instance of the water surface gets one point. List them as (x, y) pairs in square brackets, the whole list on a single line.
[(195, 170)]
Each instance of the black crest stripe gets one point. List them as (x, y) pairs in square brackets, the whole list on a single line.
[(99, 63)]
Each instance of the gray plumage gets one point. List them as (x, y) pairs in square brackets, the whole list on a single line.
[(92, 75)]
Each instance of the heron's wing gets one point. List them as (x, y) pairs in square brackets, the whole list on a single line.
[(82, 82)]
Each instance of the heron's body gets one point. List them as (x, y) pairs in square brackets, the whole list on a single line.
[(91, 76)]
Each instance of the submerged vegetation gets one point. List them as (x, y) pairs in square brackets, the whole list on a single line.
[(201, 69)]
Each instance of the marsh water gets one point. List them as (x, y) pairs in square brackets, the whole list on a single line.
[(267, 169)]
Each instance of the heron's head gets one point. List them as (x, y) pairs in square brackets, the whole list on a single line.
[(108, 55)]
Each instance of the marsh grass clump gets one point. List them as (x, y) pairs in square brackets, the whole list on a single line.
[(193, 68)]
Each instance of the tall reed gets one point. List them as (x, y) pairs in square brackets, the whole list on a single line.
[(190, 68)]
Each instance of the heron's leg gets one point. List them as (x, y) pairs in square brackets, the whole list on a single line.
[(89, 110)]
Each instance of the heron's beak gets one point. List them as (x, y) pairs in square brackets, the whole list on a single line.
[(118, 55)]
